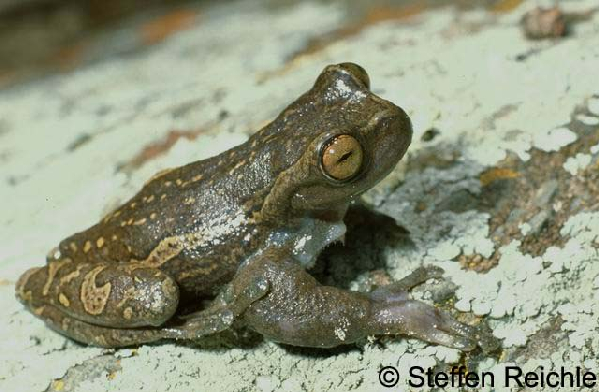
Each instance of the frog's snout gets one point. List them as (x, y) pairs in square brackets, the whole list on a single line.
[(395, 134)]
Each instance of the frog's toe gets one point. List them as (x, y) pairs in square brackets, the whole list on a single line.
[(482, 338), (417, 319), (399, 291), (458, 342), (419, 276)]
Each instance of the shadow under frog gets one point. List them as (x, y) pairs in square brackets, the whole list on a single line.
[(240, 229)]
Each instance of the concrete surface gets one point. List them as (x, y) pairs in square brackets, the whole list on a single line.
[(505, 197)]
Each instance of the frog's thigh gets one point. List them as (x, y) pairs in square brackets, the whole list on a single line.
[(118, 295)]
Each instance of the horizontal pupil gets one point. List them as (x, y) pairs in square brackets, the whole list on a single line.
[(345, 156)]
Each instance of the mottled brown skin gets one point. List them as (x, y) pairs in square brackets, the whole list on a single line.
[(242, 226)]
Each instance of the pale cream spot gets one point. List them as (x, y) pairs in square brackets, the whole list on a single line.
[(168, 183), (132, 205), (26, 296), (22, 282), (197, 177), (114, 237), (67, 278), (100, 340), (160, 174), (65, 324), (239, 164), (163, 252), (178, 181), (128, 294), (100, 242), (53, 268), (239, 177), (163, 196), (87, 246), (128, 313), (94, 298), (123, 223), (189, 200), (153, 215), (198, 272), (116, 214), (64, 301), (140, 221), (39, 311), (150, 199), (130, 221), (73, 246)]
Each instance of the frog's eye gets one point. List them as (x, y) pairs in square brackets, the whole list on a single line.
[(358, 72), (341, 157)]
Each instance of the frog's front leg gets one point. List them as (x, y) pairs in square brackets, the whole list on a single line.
[(299, 311), (222, 312)]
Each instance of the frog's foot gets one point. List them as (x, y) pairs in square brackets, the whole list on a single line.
[(394, 311), (425, 322), (96, 335)]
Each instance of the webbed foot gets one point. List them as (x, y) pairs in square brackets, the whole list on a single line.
[(394, 313)]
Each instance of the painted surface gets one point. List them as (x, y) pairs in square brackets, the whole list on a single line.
[(504, 197)]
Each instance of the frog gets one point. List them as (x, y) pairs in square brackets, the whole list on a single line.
[(234, 235)]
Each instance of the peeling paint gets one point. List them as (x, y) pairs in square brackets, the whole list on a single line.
[(502, 122)]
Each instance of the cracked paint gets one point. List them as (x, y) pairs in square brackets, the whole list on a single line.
[(501, 106)]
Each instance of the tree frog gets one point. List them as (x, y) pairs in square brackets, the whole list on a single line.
[(238, 231)]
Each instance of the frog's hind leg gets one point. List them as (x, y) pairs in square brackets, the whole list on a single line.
[(113, 295), (96, 335), (121, 304)]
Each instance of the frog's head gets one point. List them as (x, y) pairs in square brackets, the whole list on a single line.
[(348, 140)]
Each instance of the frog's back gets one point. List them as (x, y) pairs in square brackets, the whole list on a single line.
[(193, 222)]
